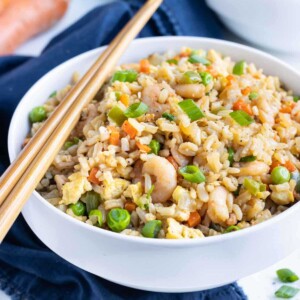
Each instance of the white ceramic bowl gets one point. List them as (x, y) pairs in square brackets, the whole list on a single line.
[(151, 264), (270, 24)]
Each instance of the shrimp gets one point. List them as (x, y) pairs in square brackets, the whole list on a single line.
[(194, 91), (165, 178), (150, 95), (217, 209), (255, 168)]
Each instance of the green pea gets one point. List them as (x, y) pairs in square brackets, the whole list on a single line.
[(91, 199), (155, 146), (190, 77), (98, 214), (69, 144), (118, 219), (206, 78), (78, 208), (253, 96), (151, 229), (296, 98), (197, 59), (239, 68), (280, 175), (38, 114)]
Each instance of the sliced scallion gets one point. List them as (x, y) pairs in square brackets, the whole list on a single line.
[(125, 76), (248, 158), (286, 292), (286, 275), (296, 98), (253, 96), (241, 117), (232, 228), (172, 61), (230, 156), (168, 116), (239, 68), (197, 59), (192, 174), (191, 109), (116, 114), (155, 146), (190, 77), (252, 186), (150, 191), (135, 110), (206, 78)]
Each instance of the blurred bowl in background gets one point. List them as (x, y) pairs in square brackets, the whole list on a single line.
[(270, 24)]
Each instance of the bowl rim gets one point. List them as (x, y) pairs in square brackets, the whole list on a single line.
[(149, 241)]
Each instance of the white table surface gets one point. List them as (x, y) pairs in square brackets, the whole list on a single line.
[(259, 286)]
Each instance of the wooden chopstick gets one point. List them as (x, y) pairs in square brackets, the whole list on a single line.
[(17, 168), (42, 159)]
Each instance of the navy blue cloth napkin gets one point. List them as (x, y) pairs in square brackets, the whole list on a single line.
[(28, 269)]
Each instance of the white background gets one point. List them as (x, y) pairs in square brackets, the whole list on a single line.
[(260, 286)]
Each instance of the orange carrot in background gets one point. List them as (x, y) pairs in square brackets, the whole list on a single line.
[(114, 138), (290, 166), (194, 219), (124, 98), (246, 91), (22, 19), (142, 147), (145, 66), (92, 177), (131, 131), (242, 105)]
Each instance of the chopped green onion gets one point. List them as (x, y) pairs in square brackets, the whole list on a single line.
[(280, 175), (206, 78), (286, 275), (155, 146), (192, 174), (118, 219), (118, 95), (168, 116), (53, 94), (151, 229), (136, 110), (296, 98), (248, 158), (190, 77), (230, 156), (239, 68), (196, 59), (253, 187), (150, 191), (98, 214), (125, 76), (116, 114), (237, 191), (91, 199), (232, 228), (253, 96), (78, 208), (172, 61), (37, 114), (241, 117), (191, 109), (286, 292), (69, 144)]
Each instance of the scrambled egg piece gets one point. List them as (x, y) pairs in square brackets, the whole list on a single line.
[(114, 189), (282, 193), (177, 231), (76, 187), (135, 192), (182, 198)]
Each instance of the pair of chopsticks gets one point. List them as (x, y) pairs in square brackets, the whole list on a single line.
[(23, 175)]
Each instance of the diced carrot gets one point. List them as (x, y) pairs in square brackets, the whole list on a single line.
[(173, 162), (131, 131), (130, 206), (184, 54), (275, 163), (213, 72), (194, 219), (242, 105), (290, 166), (114, 138), (145, 66), (246, 91), (124, 99), (286, 109), (230, 79), (142, 147), (92, 177)]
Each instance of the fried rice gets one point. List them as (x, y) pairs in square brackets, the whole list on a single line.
[(179, 145)]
